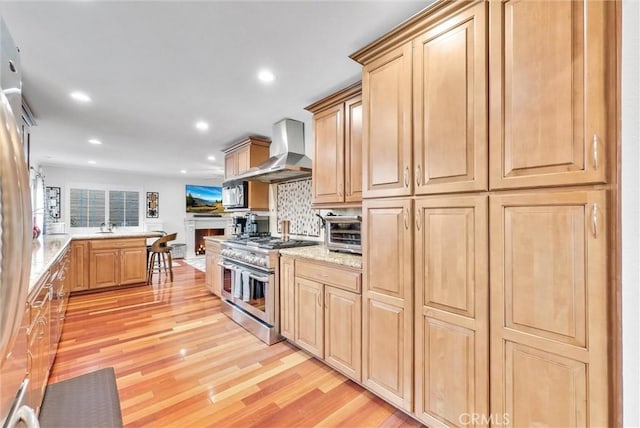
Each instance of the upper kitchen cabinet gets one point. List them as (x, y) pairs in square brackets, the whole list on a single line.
[(450, 104), (337, 160), (386, 134), (552, 98), (425, 105), (242, 156)]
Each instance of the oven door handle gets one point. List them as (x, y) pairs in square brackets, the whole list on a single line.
[(259, 277), (228, 266)]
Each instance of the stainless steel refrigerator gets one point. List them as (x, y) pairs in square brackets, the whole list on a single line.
[(15, 247)]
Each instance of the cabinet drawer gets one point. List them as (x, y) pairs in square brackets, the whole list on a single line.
[(328, 274), (105, 244)]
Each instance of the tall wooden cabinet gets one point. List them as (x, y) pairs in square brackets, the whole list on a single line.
[(462, 104), (337, 160)]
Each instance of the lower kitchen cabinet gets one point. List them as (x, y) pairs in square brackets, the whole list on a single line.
[(387, 321), (287, 297), (212, 271), (320, 311), (343, 331), (549, 294), (451, 319), (79, 273), (117, 262), (309, 309), (39, 341)]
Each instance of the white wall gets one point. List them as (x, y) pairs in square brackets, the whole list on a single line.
[(631, 212), (171, 191)]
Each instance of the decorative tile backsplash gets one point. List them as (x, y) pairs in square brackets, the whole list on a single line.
[(294, 204)]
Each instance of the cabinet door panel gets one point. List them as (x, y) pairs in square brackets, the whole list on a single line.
[(548, 97), (387, 353), (230, 165), (343, 331), (549, 308), (309, 307), (243, 162), (287, 298), (353, 150), (79, 277), (103, 268), (452, 334), (328, 168), (450, 104), (133, 265), (386, 96)]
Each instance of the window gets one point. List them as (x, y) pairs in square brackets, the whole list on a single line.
[(93, 207), (123, 208)]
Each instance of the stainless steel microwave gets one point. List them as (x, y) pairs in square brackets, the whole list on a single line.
[(342, 233), (235, 195)]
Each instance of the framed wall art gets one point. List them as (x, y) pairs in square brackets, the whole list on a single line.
[(152, 204), (52, 199)]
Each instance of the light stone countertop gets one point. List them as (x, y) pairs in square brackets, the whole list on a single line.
[(117, 234), (46, 250), (322, 253)]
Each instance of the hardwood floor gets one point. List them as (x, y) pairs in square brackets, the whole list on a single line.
[(180, 362)]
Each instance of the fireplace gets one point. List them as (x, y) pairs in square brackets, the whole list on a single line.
[(196, 228), (199, 236)]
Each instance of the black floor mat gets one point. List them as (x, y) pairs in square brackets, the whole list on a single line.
[(90, 400)]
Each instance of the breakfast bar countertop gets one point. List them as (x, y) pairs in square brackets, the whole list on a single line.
[(117, 234), (322, 253)]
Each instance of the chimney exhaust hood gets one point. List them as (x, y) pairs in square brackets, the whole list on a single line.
[(287, 160)]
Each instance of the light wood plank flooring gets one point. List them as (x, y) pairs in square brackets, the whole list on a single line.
[(180, 362)]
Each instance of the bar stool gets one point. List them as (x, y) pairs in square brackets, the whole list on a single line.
[(160, 251)]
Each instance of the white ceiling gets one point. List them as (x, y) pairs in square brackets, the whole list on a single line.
[(152, 68)]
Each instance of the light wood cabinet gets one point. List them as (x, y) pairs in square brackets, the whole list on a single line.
[(320, 311), (387, 336), (309, 308), (39, 353), (242, 156), (549, 308), (115, 262), (212, 269), (451, 311), (386, 135), (79, 275), (468, 101), (343, 331), (337, 160), (551, 92), (450, 104), (287, 297)]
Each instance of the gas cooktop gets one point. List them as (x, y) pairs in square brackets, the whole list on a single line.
[(270, 242)]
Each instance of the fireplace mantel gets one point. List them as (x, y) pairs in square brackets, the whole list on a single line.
[(193, 223)]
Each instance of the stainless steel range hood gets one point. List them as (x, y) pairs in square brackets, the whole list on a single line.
[(287, 160)]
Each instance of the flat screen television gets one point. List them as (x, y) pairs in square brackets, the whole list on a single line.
[(203, 199)]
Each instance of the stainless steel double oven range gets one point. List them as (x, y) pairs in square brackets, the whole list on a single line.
[(250, 283)]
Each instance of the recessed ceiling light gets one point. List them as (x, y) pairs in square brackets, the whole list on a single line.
[(80, 96), (211, 158), (92, 162), (266, 76), (183, 171), (201, 125), (95, 141)]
